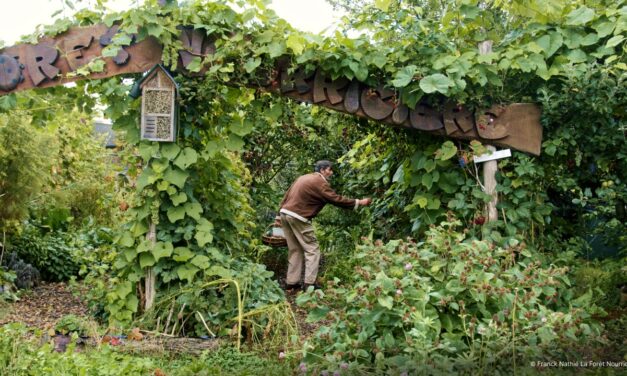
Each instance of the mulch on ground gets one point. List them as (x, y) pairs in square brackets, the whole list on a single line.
[(44, 305)]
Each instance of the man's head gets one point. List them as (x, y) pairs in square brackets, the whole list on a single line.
[(324, 167)]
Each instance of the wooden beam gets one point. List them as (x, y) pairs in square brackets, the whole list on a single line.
[(54, 61)]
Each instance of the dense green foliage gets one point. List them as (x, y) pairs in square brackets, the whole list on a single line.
[(23, 166), (21, 355), (59, 255), (448, 304)]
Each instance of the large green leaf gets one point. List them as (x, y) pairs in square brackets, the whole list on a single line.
[(144, 246), (421, 201), (605, 28), (296, 43), (470, 11), (123, 289), (148, 150), (317, 314), (219, 271), (580, 16), (276, 49), (170, 150), (204, 233), (550, 43), (163, 185), (176, 213), (434, 204), (129, 254), (404, 76), (195, 64), (187, 157), (386, 301), (7, 102), (201, 261), (590, 39), (146, 260), (182, 254), (146, 178), (234, 143), (447, 151), (187, 272), (251, 64), (615, 40), (159, 165), (162, 249), (178, 198), (193, 209), (436, 82), (577, 56), (427, 181), (126, 239), (176, 176), (241, 127)]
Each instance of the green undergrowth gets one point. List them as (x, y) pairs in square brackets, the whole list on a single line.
[(451, 305), (23, 352)]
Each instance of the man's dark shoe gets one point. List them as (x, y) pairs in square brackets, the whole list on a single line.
[(290, 287), (314, 285)]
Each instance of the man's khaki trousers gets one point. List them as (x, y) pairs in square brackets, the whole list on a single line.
[(301, 243)]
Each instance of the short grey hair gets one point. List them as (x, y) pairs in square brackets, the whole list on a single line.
[(321, 165)]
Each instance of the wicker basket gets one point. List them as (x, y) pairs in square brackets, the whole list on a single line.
[(271, 239)]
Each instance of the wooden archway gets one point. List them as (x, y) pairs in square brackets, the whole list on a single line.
[(62, 59)]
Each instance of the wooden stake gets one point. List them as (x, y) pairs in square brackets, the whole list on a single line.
[(489, 184), (489, 167), (151, 278)]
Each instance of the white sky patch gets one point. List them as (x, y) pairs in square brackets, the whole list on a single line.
[(21, 17)]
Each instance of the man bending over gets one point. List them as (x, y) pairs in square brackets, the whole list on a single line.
[(301, 203)]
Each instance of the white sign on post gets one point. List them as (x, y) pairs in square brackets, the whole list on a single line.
[(494, 155)]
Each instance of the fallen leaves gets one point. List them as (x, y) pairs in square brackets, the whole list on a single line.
[(135, 335), (44, 305)]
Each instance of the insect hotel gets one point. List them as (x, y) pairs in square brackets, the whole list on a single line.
[(159, 111)]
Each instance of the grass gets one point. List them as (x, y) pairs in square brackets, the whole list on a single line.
[(5, 309)]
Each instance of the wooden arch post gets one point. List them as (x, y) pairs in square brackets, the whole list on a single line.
[(489, 167)]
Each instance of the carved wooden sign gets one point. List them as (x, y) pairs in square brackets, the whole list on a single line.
[(515, 125), (49, 62)]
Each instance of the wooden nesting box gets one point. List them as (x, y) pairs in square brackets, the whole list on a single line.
[(159, 112)]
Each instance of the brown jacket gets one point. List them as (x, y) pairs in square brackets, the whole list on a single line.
[(309, 193)]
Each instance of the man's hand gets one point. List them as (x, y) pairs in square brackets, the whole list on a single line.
[(277, 221), (365, 201)]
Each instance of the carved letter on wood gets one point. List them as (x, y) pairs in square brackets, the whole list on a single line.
[(39, 60), (10, 72), (322, 85), (74, 50), (107, 38), (425, 118), (400, 114), (296, 81), (374, 104), (351, 99), (195, 44), (457, 118)]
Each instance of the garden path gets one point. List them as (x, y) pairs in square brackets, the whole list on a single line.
[(43, 306)]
